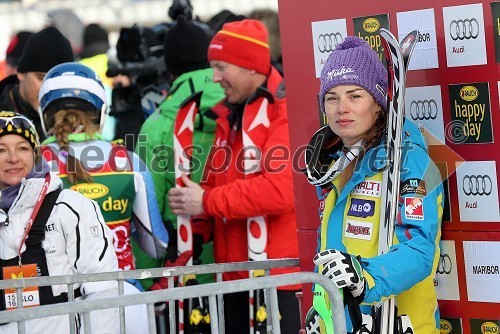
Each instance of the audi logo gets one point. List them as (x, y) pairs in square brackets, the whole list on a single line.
[(464, 29), (423, 110), (477, 185), (328, 42), (444, 264)]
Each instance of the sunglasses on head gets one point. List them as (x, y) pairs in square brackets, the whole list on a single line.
[(18, 122)]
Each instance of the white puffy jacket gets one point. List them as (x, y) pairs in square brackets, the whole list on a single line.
[(77, 241)]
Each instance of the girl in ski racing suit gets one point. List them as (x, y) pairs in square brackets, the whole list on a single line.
[(72, 105), (70, 239), (346, 166)]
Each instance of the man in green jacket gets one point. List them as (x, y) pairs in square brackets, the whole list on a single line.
[(185, 52)]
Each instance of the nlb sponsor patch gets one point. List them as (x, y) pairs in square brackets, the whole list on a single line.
[(368, 188), (413, 186), (358, 230), (414, 208), (361, 208)]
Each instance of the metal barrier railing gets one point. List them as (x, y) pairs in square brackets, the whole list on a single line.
[(214, 292)]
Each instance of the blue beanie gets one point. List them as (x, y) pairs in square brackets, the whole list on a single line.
[(353, 62)]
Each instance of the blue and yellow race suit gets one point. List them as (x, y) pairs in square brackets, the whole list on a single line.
[(350, 223)]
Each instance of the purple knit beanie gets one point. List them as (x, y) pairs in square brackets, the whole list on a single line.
[(353, 62)]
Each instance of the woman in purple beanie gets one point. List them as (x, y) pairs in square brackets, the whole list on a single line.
[(346, 166)]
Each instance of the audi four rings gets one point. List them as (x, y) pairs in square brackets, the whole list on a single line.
[(464, 29), (477, 185), (444, 264), (423, 110), (328, 42)]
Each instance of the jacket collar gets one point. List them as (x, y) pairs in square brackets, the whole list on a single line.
[(372, 163)]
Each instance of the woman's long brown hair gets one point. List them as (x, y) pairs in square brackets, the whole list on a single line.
[(370, 139), (65, 123)]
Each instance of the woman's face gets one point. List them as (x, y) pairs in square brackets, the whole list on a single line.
[(16, 159), (351, 112)]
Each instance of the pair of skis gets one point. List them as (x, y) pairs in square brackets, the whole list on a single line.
[(256, 226), (397, 57), (183, 145)]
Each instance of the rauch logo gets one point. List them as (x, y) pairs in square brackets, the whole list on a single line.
[(371, 25), (445, 326), (489, 328), (91, 190), (469, 93)]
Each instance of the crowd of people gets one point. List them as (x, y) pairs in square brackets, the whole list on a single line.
[(103, 129)]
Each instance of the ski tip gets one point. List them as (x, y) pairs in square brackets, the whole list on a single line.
[(409, 42), (386, 32)]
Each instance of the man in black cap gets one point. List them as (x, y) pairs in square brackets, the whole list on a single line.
[(19, 92)]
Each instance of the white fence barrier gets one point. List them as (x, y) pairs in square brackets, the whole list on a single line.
[(214, 292)]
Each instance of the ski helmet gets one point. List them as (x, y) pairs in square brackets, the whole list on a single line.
[(71, 86)]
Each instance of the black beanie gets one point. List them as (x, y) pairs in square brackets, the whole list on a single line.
[(185, 47), (44, 50), (95, 41), (16, 46)]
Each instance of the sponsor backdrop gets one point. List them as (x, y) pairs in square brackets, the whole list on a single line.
[(452, 96)]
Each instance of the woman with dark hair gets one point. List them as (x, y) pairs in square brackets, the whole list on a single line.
[(346, 166)]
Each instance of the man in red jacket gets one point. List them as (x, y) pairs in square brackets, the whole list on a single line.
[(248, 176)]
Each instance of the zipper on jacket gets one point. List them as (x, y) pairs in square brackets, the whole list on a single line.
[(6, 222)]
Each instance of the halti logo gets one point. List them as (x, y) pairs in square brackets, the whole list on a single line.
[(361, 208), (368, 188)]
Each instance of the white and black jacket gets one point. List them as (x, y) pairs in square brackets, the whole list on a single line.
[(77, 241)]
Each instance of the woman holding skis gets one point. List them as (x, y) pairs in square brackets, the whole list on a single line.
[(346, 165)]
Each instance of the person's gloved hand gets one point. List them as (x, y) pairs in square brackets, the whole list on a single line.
[(344, 270), (181, 260)]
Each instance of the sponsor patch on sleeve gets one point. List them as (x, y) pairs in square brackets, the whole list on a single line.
[(414, 208), (361, 208), (413, 186)]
